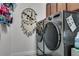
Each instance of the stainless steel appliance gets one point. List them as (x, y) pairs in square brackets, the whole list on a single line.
[(58, 34)]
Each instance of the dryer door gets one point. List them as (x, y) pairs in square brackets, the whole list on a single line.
[(52, 36)]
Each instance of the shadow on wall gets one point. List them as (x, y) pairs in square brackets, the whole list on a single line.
[(3, 28)]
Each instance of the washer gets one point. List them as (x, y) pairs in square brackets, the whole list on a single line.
[(57, 36)]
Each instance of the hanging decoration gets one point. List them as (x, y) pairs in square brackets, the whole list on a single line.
[(28, 23), (6, 13)]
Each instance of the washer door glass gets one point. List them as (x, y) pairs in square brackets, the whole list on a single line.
[(52, 37)]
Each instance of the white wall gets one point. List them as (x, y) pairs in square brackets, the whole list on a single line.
[(14, 42)]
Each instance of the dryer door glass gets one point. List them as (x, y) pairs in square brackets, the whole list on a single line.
[(52, 38)]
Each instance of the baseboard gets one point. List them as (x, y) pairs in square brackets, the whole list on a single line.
[(24, 53)]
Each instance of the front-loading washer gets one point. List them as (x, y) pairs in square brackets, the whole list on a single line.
[(50, 32), (56, 37)]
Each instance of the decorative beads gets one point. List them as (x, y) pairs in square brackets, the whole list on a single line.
[(6, 13)]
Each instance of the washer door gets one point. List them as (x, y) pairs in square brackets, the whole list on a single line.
[(52, 36)]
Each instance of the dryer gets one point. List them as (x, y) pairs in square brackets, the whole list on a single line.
[(57, 35)]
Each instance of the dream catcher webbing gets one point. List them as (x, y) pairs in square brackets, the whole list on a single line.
[(28, 23)]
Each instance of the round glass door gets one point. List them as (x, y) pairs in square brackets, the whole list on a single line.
[(52, 37)]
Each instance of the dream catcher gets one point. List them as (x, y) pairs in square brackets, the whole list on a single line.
[(6, 13), (28, 23)]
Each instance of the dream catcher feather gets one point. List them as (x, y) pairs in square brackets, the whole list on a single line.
[(28, 23)]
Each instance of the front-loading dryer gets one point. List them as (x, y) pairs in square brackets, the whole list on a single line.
[(56, 36)]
